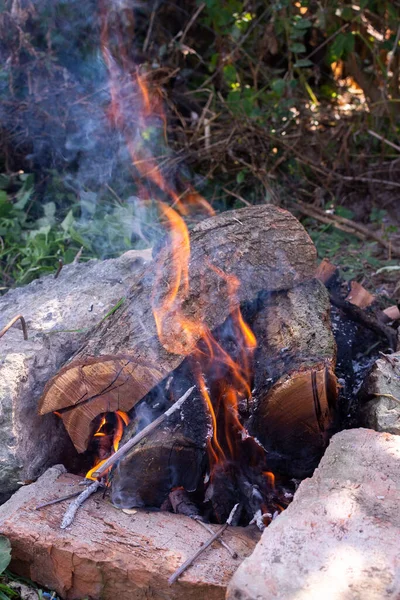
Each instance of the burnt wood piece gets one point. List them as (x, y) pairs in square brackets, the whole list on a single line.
[(295, 389), (264, 247), (182, 504), (172, 456)]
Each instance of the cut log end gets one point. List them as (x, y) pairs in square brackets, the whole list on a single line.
[(294, 419), (79, 393)]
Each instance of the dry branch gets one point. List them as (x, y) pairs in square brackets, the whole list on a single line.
[(360, 316), (11, 323), (361, 231), (141, 435), (73, 507), (232, 552), (200, 551), (57, 500)]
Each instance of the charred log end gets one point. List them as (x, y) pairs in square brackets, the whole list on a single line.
[(82, 391), (146, 475), (295, 418)]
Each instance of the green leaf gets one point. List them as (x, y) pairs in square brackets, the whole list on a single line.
[(241, 176), (342, 211), (67, 223), (278, 86), (5, 553), (303, 62), (230, 74), (297, 48), (303, 24), (341, 46)]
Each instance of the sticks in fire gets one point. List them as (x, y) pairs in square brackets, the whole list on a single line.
[(141, 435)]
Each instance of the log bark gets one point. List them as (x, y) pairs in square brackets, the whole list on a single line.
[(295, 389), (264, 247)]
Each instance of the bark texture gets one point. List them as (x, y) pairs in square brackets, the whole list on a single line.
[(263, 247), (295, 387)]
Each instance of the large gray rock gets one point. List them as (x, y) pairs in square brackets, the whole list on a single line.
[(381, 394), (340, 537), (77, 300)]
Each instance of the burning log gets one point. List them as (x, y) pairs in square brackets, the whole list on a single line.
[(295, 387), (262, 247), (173, 456)]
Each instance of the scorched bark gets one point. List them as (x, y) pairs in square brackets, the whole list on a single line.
[(264, 247)]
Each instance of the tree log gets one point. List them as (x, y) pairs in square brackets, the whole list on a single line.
[(264, 247), (172, 456), (295, 386)]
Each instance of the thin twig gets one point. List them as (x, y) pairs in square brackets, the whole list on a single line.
[(360, 316), (142, 434), (11, 323), (78, 256), (192, 20), (384, 140), (73, 507), (230, 193), (328, 39), (232, 552), (57, 500), (351, 226), (60, 266), (388, 396), (395, 47), (150, 29), (208, 543)]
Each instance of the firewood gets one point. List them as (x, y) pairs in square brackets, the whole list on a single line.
[(173, 456), (264, 247), (295, 390), (142, 434)]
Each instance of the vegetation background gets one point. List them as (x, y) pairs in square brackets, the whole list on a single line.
[(277, 101)]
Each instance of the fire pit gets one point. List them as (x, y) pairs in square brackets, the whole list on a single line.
[(247, 330)]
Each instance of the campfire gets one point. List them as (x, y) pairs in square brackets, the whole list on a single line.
[(229, 311), (241, 324)]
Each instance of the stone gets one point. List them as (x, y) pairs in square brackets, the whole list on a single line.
[(339, 538), (109, 554), (380, 395), (58, 313)]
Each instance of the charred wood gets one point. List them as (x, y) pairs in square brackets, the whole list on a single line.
[(264, 247)]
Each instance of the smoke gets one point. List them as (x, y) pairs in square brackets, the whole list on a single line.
[(55, 119)]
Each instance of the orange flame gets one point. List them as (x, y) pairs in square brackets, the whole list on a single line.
[(224, 381), (121, 420)]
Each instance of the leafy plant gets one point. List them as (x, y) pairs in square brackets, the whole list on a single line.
[(5, 553)]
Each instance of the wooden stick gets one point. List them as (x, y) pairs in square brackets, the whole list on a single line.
[(60, 266), (77, 256), (142, 434), (384, 140), (208, 543), (11, 323), (232, 552), (357, 314), (73, 507), (56, 500), (347, 225)]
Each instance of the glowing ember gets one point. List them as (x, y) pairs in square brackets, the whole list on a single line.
[(121, 420)]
